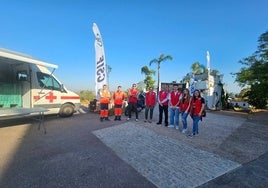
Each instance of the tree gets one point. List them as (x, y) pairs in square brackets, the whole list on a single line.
[(242, 94), (186, 78), (254, 74), (213, 72), (198, 68), (86, 95), (158, 61), (148, 76)]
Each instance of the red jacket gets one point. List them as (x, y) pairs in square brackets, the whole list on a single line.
[(104, 96), (118, 97)]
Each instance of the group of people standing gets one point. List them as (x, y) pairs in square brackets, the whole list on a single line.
[(180, 103), (172, 104), (118, 98)]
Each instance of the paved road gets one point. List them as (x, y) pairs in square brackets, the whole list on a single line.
[(230, 151)]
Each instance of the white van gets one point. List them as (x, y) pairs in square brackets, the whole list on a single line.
[(26, 83)]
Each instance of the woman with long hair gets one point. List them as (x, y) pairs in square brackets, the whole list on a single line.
[(185, 103), (197, 107)]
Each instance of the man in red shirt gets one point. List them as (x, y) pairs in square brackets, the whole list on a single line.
[(150, 100), (133, 101)]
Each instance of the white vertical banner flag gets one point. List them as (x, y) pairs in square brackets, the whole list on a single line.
[(100, 63), (192, 84)]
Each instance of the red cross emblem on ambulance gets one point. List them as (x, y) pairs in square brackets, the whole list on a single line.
[(51, 97)]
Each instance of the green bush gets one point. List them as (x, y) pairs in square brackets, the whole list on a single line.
[(86, 95)]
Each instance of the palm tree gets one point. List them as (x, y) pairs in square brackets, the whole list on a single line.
[(148, 76), (198, 68), (161, 58), (145, 70)]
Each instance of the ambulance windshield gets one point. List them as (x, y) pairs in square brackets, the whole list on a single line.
[(47, 81)]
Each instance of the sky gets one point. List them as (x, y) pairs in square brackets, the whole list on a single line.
[(134, 33)]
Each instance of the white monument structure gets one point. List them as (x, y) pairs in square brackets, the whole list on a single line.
[(210, 84)]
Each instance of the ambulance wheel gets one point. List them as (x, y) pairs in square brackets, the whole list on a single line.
[(66, 110)]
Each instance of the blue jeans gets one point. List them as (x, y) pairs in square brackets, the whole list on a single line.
[(196, 119), (174, 115), (184, 116)]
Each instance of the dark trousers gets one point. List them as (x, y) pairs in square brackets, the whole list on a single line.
[(132, 107), (164, 109), (147, 109)]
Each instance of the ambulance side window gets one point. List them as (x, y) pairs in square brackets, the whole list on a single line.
[(47, 81)]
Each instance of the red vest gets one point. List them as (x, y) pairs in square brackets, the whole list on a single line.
[(184, 104), (174, 98), (196, 105), (150, 98), (162, 96)]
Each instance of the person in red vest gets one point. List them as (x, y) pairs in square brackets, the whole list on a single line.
[(185, 103), (105, 97), (133, 101), (174, 101), (150, 101), (119, 98), (197, 107), (163, 97)]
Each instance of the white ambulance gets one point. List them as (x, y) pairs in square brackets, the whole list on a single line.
[(27, 83)]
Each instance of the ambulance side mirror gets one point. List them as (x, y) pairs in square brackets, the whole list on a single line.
[(62, 88)]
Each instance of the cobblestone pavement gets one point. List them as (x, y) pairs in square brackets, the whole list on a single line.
[(162, 160)]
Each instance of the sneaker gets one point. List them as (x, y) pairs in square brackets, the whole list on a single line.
[(191, 135), (171, 126), (184, 131), (107, 119), (150, 121), (177, 127), (158, 123), (145, 121), (128, 119), (137, 120)]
